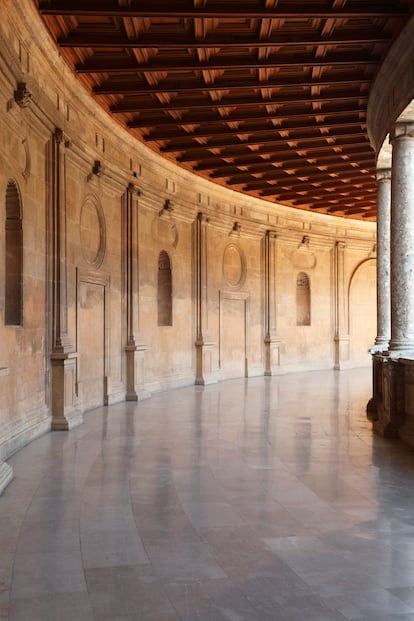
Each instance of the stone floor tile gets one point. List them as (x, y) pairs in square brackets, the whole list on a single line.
[(57, 607)]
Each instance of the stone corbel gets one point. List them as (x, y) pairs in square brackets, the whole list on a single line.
[(22, 96), (96, 171), (166, 208), (236, 229)]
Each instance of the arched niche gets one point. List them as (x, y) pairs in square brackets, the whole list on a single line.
[(13, 306), (303, 300), (164, 289)]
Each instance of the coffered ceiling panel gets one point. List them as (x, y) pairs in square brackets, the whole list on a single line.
[(267, 97)]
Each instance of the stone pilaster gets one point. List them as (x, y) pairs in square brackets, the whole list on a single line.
[(341, 338), (402, 242), (271, 339), (65, 414), (202, 342), (134, 348)]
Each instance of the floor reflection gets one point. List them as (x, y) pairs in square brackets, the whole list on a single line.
[(249, 500)]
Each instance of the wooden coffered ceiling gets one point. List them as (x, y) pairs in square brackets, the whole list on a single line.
[(267, 97)]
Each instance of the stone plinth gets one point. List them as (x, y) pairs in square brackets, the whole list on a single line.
[(393, 401)]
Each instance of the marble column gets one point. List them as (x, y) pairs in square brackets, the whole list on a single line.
[(383, 260), (383, 290), (271, 339), (402, 242)]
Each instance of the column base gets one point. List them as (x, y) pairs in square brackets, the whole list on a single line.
[(68, 421), (65, 413), (204, 362), (272, 355), (138, 395), (135, 360), (386, 408), (341, 344)]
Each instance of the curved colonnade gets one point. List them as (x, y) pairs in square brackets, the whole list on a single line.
[(390, 123), (125, 275)]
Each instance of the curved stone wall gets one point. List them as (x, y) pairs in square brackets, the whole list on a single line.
[(393, 89), (99, 209)]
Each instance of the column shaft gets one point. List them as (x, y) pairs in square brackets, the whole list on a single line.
[(271, 339), (402, 241), (383, 259)]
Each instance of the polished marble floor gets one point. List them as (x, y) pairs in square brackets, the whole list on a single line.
[(265, 499)]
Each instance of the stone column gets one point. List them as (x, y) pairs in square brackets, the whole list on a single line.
[(65, 414), (341, 338), (271, 339), (134, 345), (383, 289), (383, 260), (402, 242)]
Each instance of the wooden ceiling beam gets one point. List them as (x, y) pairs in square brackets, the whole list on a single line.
[(300, 187), (313, 174), (128, 107), (328, 207), (307, 189), (129, 66), (259, 165), (164, 121), (354, 210), (323, 202), (240, 149), (316, 176), (241, 84), (253, 140), (207, 133), (284, 158), (224, 10), (98, 40)]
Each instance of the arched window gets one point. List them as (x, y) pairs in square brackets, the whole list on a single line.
[(303, 300), (13, 308), (164, 290)]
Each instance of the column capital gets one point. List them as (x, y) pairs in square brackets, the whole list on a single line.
[(402, 129), (383, 174)]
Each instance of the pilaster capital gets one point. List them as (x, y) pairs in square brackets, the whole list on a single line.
[(202, 218), (401, 130), (60, 137), (383, 174), (132, 189), (271, 234), (340, 245)]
